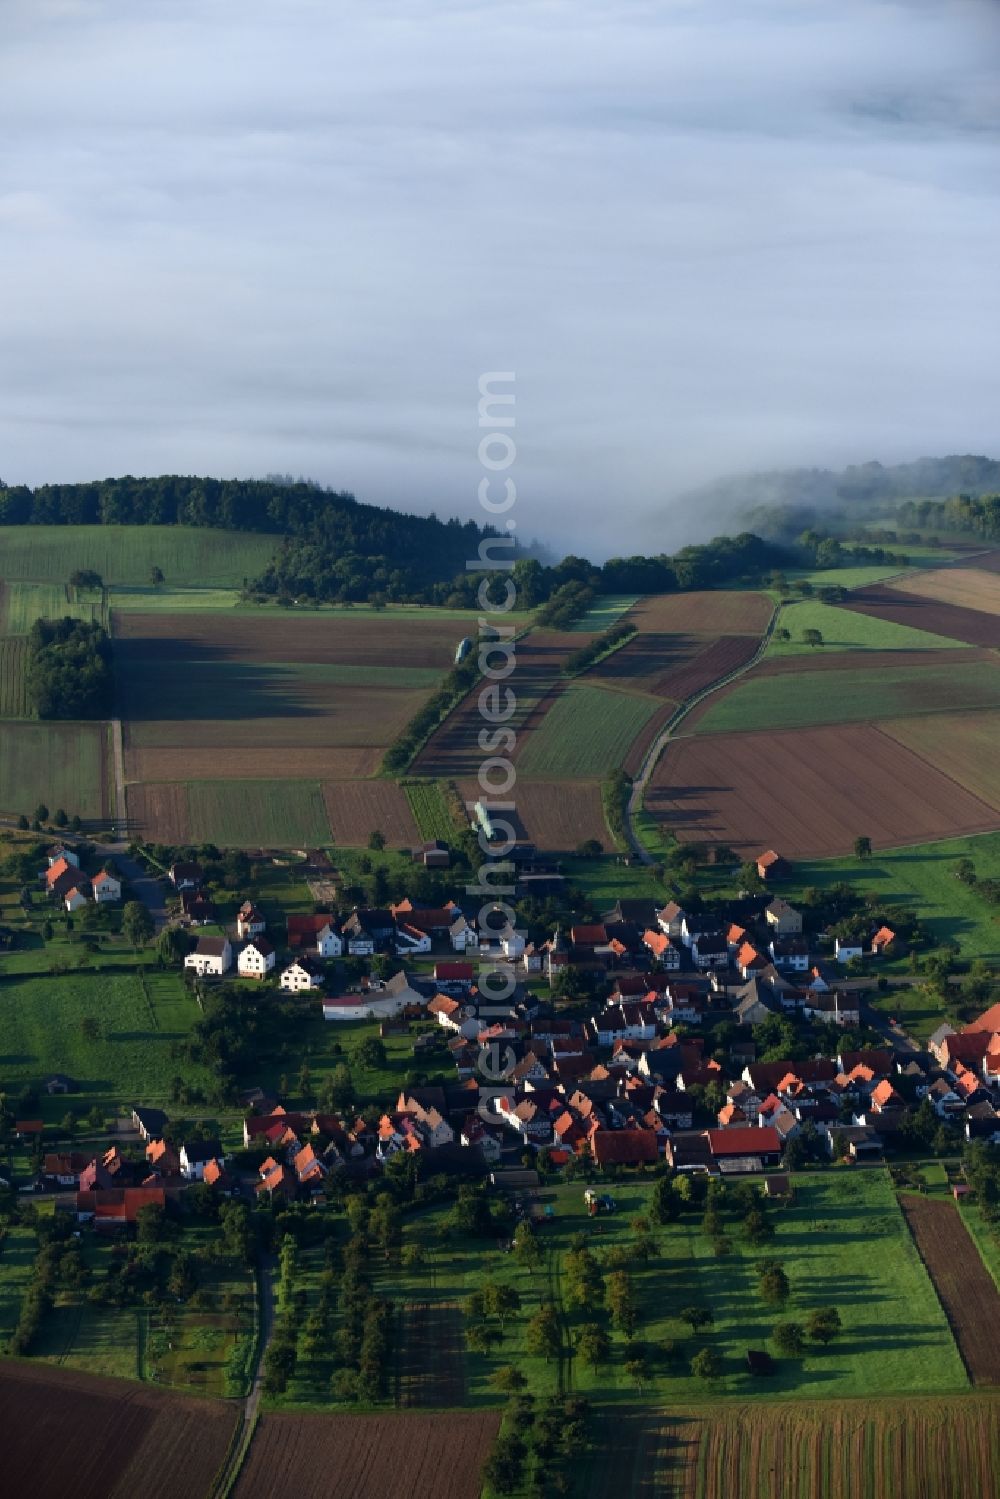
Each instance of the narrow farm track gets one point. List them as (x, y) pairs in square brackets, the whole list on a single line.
[(659, 744)]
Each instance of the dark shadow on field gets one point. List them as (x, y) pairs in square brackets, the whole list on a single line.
[(183, 678), (647, 655)]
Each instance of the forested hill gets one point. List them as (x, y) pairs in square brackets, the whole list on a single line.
[(326, 542)]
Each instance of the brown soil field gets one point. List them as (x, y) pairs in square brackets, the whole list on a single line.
[(989, 561), (431, 1372), (968, 587), (962, 746), (453, 749), (965, 1287), (807, 791), (224, 635), (712, 612), (672, 666), (904, 608), (238, 763), (368, 1457), (67, 1433), (358, 808), (159, 812), (555, 815)]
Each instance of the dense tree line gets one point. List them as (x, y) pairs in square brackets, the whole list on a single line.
[(602, 645), (69, 669), (977, 514)]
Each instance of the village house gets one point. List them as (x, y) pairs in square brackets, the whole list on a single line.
[(105, 886), (432, 855), (847, 949), (149, 1122), (250, 921), (318, 935), (770, 866), (195, 1156), (197, 907), (301, 974), (186, 876), (211, 958), (256, 959), (783, 919), (670, 919)]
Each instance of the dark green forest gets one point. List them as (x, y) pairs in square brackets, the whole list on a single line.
[(69, 671)]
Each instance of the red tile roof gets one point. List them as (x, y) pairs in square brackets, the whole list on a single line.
[(758, 1140)]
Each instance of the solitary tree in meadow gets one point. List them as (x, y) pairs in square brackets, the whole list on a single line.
[(812, 637)]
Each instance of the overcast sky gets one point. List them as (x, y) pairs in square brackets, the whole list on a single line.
[(240, 237)]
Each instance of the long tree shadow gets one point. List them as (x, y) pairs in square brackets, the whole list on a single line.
[(190, 679)]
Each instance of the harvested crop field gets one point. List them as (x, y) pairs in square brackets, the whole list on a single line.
[(556, 816), (356, 809), (587, 732), (68, 1433), (841, 1449), (431, 1366), (241, 764), (711, 612), (126, 554), (13, 679), (759, 701), (62, 764), (965, 1287), (961, 745), (808, 792), (453, 749), (907, 608), (967, 587), (368, 1457)]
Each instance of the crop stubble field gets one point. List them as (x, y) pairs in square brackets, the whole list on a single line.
[(64, 763), (13, 686), (966, 1289), (554, 815), (808, 792), (960, 745), (845, 1449), (72, 1433), (368, 1457), (967, 587)]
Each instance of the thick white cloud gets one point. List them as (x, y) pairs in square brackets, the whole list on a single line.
[(238, 237)]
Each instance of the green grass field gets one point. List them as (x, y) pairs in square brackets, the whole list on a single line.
[(923, 879), (187, 555), (856, 696), (18, 1247), (843, 630), (23, 603), (259, 814), (606, 611), (61, 764), (13, 684), (128, 1059), (430, 809), (586, 732), (842, 1242), (150, 600)]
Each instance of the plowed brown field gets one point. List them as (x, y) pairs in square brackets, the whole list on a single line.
[(225, 635), (159, 812), (968, 587), (712, 612), (964, 1285), (554, 815), (904, 608), (808, 792), (67, 1433), (368, 1457), (673, 666), (358, 808)]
